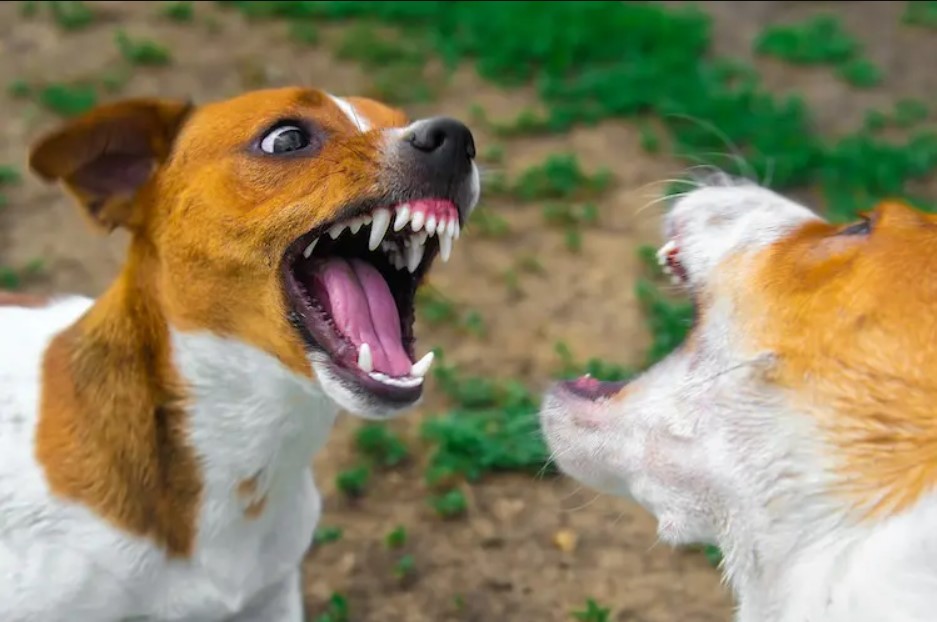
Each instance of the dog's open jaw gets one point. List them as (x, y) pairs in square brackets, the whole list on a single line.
[(351, 286)]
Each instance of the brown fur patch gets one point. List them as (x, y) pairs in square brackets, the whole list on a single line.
[(851, 320), (211, 217)]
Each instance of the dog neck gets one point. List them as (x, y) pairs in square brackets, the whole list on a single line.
[(827, 566), (147, 424)]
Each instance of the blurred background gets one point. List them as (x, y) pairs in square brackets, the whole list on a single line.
[(586, 115)]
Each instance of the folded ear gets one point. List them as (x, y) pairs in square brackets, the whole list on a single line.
[(107, 155)]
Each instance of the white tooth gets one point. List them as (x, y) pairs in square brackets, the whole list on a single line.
[(420, 368), (366, 219), (665, 268), (378, 228), (308, 251), (431, 224), (420, 238), (336, 230), (416, 221), (457, 231), (364, 358), (414, 257), (399, 262), (403, 217), (450, 228), (445, 246), (356, 224), (676, 280), (664, 251)]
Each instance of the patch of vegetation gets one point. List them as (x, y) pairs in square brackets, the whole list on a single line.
[(182, 12), (13, 278), (592, 612), (327, 534), (560, 176), (380, 445), (921, 13), (600, 370), (451, 504), (397, 538), (337, 609), (9, 175), (142, 51), (436, 309), (19, 89), (816, 41), (304, 32), (66, 15), (405, 567), (68, 100), (353, 482), (861, 73), (486, 222)]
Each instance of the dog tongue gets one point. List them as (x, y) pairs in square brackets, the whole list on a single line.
[(357, 297)]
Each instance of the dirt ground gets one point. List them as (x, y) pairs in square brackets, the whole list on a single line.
[(500, 561)]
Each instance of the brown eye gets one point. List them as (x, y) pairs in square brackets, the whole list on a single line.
[(284, 139)]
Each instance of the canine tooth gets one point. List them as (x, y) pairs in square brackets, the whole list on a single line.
[(420, 368), (308, 250), (445, 246), (416, 221), (364, 358), (403, 217), (431, 224), (378, 228), (336, 230), (456, 230), (450, 228), (414, 257)]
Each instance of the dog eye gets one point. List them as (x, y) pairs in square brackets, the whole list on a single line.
[(284, 139), (863, 227)]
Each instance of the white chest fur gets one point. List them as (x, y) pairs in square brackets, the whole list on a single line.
[(251, 420)]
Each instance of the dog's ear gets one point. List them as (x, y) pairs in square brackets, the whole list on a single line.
[(107, 155)]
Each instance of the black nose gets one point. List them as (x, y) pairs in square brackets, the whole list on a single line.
[(445, 140)]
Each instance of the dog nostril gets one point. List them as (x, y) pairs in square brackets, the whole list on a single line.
[(443, 135)]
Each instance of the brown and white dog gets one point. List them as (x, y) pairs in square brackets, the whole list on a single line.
[(155, 443), (796, 428)]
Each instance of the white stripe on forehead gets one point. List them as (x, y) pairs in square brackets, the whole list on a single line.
[(360, 121)]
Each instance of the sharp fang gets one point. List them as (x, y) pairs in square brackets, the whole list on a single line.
[(364, 358), (416, 221), (414, 256), (664, 251), (457, 230), (403, 217), (336, 230), (378, 228), (420, 368), (431, 224), (450, 228), (307, 253), (445, 246)]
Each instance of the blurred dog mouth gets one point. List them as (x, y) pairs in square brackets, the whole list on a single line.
[(351, 286)]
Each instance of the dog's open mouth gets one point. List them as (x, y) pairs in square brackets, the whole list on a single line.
[(668, 256), (352, 283)]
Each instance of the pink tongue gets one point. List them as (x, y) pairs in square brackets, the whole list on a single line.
[(360, 302)]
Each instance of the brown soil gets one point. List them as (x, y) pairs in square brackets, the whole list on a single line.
[(500, 562)]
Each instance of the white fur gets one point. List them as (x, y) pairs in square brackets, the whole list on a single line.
[(719, 455), (360, 121), (60, 562)]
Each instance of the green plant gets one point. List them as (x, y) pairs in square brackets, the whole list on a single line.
[(9, 175), (405, 567), (178, 11), (818, 40), (920, 13), (327, 535), (68, 100), (560, 176), (337, 609), (451, 504), (379, 444), (861, 73), (601, 370), (397, 538), (592, 612), (484, 221), (354, 481), (142, 51), (304, 32), (70, 15), (19, 89)]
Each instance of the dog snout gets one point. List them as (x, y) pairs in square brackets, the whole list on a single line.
[(443, 142)]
